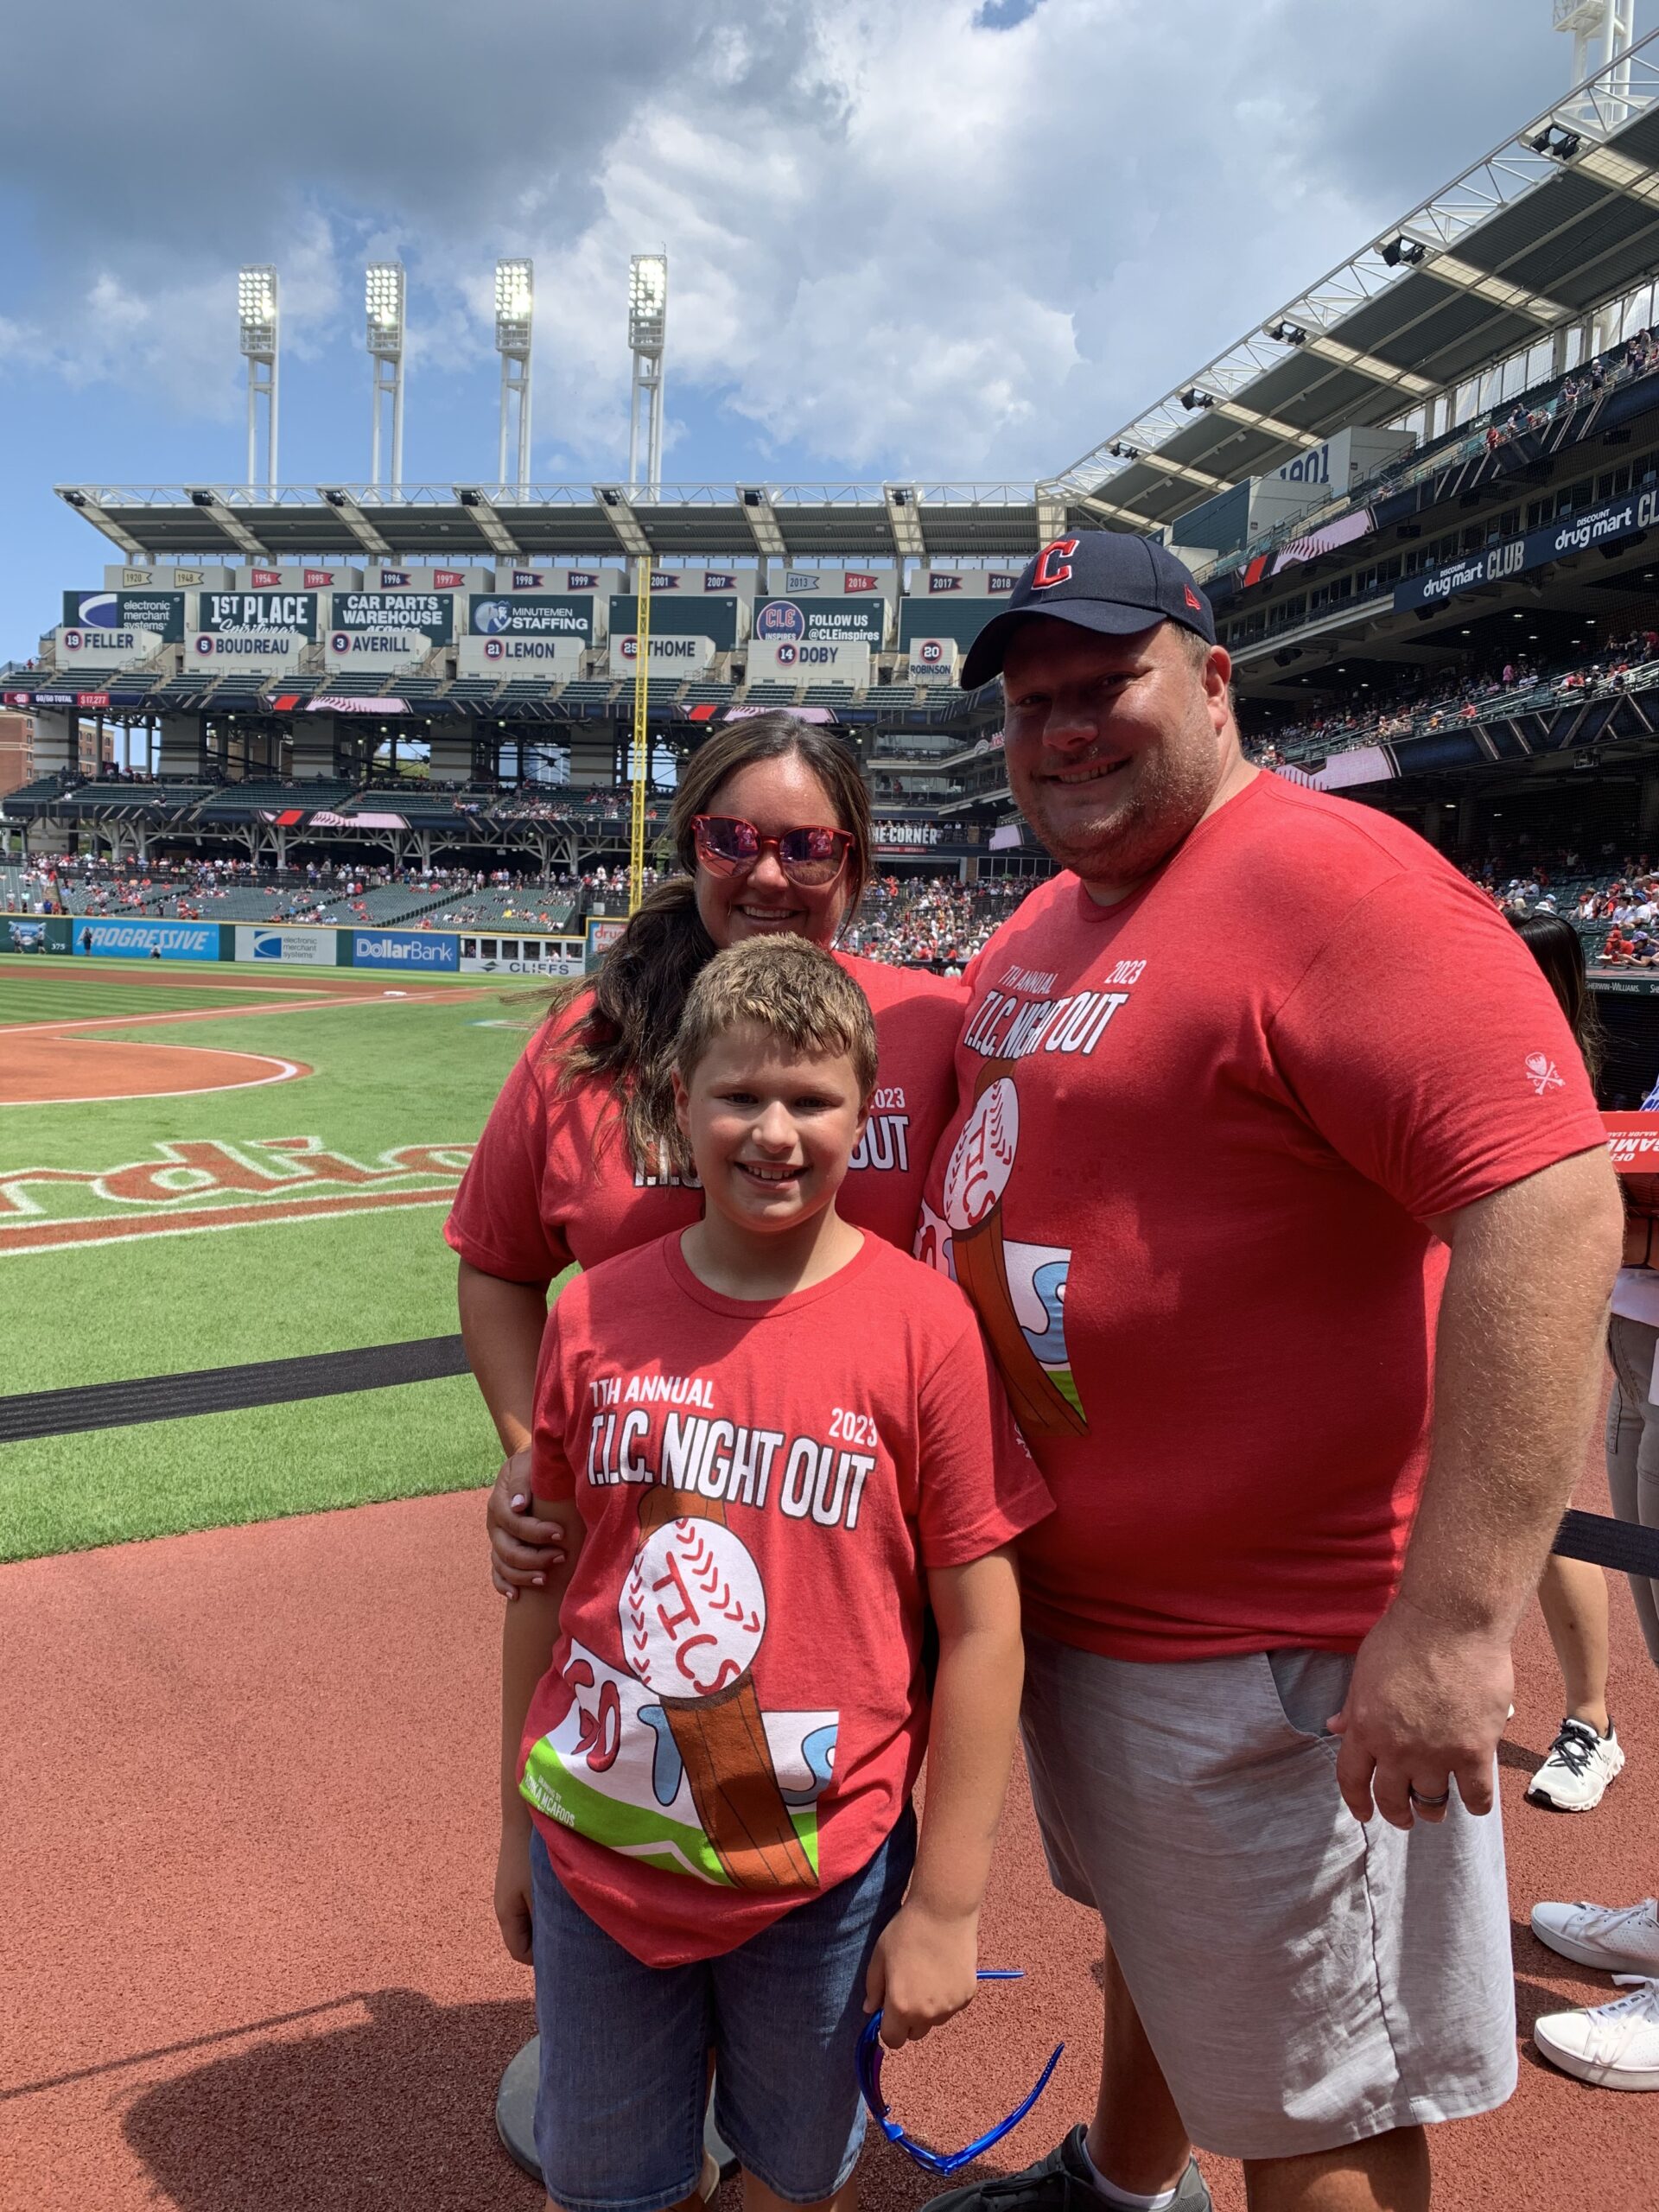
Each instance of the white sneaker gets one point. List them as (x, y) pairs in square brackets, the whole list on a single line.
[(1615, 2046), (1581, 1765), (1614, 1939)]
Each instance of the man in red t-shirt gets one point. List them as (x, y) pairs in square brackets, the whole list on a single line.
[(1270, 1138)]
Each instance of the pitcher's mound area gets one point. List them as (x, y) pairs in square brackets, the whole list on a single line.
[(48, 1070)]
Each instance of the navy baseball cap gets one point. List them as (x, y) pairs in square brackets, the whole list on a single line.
[(1102, 580)]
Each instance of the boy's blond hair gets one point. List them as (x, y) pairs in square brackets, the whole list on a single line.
[(791, 989)]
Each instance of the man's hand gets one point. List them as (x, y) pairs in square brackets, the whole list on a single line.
[(523, 1550), (512, 1911), (1425, 1709), (921, 1973)]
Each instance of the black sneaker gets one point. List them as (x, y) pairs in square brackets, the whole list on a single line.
[(1063, 2182)]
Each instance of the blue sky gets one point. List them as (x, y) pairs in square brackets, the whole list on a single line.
[(905, 237)]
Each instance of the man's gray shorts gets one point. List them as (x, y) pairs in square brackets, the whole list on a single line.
[(1305, 1982)]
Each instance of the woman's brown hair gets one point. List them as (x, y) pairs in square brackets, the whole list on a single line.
[(1559, 950), (626, 1039)]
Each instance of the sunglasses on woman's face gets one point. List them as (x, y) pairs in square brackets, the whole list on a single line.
[(727, 845)]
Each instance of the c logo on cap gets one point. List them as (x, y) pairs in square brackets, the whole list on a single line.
[(1053, 564)]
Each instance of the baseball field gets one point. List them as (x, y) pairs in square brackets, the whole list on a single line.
[(202, 1167)]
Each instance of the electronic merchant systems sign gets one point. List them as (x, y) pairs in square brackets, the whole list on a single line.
[(159, 612)]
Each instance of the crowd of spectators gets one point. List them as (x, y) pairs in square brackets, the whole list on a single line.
[(1423, 704), (934, 923)]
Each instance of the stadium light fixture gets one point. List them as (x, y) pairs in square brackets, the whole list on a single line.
[(1121, 452), (1194, 400), (515, 308), (384, 293), (1287, 334), (258, 318), (762, 518), (905, 523), (647, 339), (1401, 252)]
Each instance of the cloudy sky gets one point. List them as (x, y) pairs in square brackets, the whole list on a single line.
[(962, 238)]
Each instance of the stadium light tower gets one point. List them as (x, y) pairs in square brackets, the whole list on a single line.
[(383, 298), (515, 304), (647, 328), (1602, 31), (257, 313)]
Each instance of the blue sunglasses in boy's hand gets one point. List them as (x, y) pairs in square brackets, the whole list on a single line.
[(939, 2162)]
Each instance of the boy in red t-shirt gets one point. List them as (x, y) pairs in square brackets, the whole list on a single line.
[(770, 1442)]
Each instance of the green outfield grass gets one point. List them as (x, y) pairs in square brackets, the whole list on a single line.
[(389, 1075), (57, 995)]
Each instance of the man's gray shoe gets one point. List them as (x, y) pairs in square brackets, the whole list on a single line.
[(1063, 2182)]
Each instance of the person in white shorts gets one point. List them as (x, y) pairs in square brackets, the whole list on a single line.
[(1617, 2045), (1269, 1139)]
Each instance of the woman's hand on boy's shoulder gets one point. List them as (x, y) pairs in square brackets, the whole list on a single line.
[(523, 1551), (922, 1972)]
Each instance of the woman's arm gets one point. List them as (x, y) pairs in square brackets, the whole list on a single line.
[(529, 1633), (501, 1326), (923, 1969)]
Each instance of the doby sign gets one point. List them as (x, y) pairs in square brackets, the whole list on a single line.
[(809, 660), (668, 654)]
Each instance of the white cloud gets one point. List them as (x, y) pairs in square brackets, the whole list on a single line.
[(899, 243)]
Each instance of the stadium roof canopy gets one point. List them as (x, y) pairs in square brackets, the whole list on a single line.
[(1528, 241)]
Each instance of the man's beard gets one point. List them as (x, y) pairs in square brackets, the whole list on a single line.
[(1132, 839)]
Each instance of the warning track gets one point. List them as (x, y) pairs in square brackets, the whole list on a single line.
[(276, 1745), (61, 1062)]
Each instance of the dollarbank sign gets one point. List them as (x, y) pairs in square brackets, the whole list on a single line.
[(214, 1182)]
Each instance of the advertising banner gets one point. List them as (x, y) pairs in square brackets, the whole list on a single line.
[(261, 652), (145, 940), (160, 611), (431, 613), (531, 614), (396, 653), (601, 935), (933, 660), (290, 948), (222, 611), (547, 657), (806, 622), (413, 950), (105, 648), (696, 615), (1552, 541), (669, 653), (35, 932), (530, 955), (898, 837), (813, 660)]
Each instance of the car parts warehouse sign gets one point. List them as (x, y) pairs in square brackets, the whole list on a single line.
[(431, 613), (222, 613)]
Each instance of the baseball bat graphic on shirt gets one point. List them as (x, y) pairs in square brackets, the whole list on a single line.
[(692, 1613), (974, 1181)]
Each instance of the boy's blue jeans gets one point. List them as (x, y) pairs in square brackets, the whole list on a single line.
[(624, 2077)]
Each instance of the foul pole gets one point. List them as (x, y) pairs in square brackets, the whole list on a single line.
[(641, 762)]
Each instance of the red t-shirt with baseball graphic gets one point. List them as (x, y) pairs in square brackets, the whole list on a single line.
[(1199, 1136), (736, 1711), (552, 1180)]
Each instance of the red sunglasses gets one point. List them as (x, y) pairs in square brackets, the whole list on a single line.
[(727, 845)]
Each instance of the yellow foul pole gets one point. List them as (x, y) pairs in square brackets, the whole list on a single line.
[(641, 763)]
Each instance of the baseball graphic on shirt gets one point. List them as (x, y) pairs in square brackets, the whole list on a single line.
[(983, 1159), (693, 1609)]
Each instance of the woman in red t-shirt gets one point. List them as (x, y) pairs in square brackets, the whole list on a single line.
[(569, 1167)]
